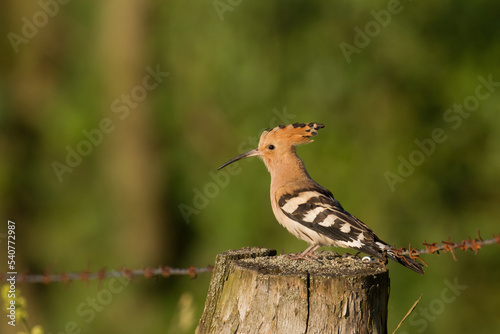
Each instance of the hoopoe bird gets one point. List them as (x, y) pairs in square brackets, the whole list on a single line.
[(306, 209)]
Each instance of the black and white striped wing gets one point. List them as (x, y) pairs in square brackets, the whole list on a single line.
[(317, 209)]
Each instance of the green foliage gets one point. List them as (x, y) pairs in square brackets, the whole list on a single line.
[(21, 312), (235, 68)]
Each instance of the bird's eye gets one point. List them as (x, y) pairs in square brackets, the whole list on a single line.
[(271, 147)]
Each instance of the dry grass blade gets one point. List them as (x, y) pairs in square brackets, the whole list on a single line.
[(408, 313)]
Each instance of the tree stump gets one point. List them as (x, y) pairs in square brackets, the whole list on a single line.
[(254, 291)]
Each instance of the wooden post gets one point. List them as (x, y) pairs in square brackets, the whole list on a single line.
[(254, 291)]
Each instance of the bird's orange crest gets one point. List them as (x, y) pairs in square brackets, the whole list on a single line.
[(281, 140), (293, 134)]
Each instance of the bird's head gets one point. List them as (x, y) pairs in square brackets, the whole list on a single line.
[(277, 143)]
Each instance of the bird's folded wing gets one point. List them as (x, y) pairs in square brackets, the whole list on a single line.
[(317, 209)]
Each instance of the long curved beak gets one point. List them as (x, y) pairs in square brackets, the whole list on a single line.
[(241, 156)]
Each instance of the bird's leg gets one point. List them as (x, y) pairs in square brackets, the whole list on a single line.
[(309, 251), (307, 254)]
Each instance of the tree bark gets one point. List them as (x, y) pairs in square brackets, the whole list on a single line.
[(254, 291)]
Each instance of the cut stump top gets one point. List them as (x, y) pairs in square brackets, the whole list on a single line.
[(328, 264)]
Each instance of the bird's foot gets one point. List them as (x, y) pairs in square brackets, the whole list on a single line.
[(307, 254)]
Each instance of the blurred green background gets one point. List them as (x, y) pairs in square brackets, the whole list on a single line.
[(380, 76)]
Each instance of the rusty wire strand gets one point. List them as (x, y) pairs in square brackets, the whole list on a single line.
[(446, 246), (102, 274)]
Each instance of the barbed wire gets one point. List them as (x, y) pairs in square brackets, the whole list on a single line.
[(446, 246), (102, 274)]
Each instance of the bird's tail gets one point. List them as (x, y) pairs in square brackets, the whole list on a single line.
[(406, 261), (382, 250)]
